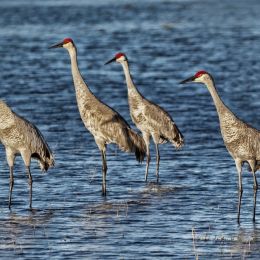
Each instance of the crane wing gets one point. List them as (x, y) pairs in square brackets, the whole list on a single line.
[(161, 123), (157, 116)]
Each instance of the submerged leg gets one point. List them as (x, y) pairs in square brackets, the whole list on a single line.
[(148, 157), (240, 191), (157, 161), (104, 172)]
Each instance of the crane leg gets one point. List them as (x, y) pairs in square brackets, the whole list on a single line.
[(10, 157), (104, 172), (26, 155), (255, 181), (252, 164), (255, 193), (157, 161), (11, 185), (240, 193), (148, 157), (239, 171), (30, 181)]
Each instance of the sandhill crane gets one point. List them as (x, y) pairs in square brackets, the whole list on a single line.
[(19, 136), (104, 123), (149, 118), (242, 141)]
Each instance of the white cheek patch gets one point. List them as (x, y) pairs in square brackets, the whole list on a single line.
[(122, 58)]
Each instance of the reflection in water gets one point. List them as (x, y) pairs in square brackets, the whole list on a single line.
[(245, 242), (18, 231)]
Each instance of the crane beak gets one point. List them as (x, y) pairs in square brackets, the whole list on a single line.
[(187, 80), (59, 45), (114, 59)]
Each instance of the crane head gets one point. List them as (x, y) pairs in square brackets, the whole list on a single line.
[(119, 57), (200, 77), (67, 42)]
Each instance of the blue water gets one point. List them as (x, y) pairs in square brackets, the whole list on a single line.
[(192, 211)]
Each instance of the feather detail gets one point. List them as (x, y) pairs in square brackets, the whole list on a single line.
[(18, 134)]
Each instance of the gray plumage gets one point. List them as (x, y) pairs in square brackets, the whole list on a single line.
[(104, 123), (19, 136), (149, 118), (241, 140)]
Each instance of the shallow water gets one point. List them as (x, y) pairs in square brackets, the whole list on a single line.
[(192, 211)]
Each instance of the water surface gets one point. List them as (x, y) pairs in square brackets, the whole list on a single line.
[(192, 211)]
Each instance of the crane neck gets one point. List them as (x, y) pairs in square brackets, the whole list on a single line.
[(220, 106), (81, 87), (132, 90)]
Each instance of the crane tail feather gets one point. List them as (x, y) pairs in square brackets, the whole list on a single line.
[(177, 139), (138, 145), (45, 160)]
